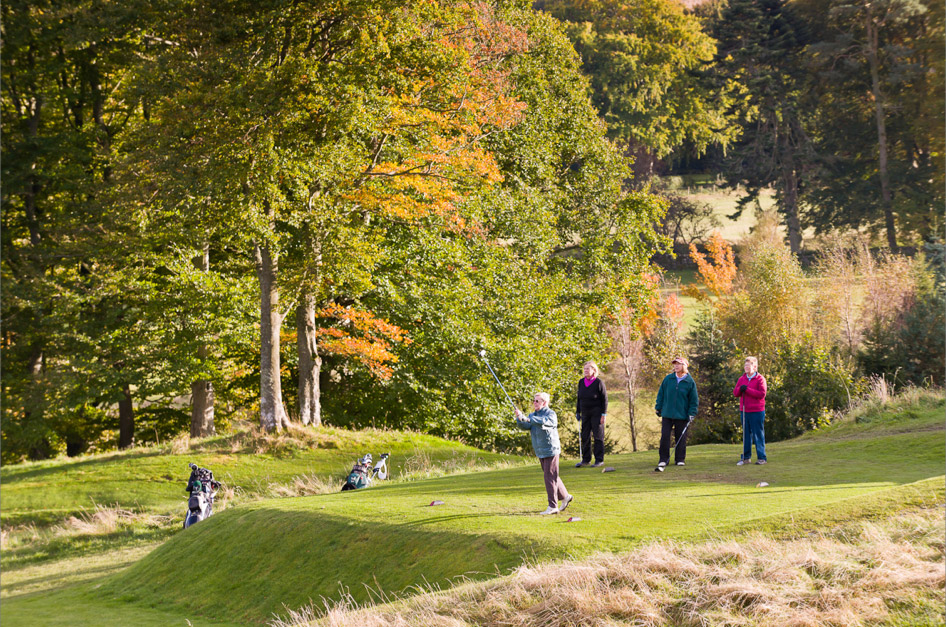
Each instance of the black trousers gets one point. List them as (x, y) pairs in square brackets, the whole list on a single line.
[(591, 425), (677, 427)]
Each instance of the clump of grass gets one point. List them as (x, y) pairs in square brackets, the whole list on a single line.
[(101, 521), (180, 444), (18, 536), (856, 575), (305, 485), (105, 519), (420, 465), (251, 438), (881, 398)]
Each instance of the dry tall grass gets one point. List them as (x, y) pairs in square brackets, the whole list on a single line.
[(850, 576), (101, 520)]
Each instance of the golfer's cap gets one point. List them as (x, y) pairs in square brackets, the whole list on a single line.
[(680, 360)]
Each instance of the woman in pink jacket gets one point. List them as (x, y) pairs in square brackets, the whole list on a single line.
[(750, 390)]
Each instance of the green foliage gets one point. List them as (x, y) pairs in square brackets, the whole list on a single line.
[(563, 243), (876, 67), (758, 61), (716, 362), (911, 347), (643, 57), (806, 387), (770, 305)]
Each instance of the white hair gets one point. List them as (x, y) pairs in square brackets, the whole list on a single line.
[(544, 396)]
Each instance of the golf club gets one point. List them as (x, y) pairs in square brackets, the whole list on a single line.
[(680, 439), (742, 411), (486, 361)]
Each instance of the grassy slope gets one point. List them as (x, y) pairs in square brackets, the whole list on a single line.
[(280, 553), (153, 479)]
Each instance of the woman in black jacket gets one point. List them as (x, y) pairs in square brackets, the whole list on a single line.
[(591, 410)]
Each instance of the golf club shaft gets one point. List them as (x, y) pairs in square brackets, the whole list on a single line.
[(498, 382), (742, 410), (680, 439)]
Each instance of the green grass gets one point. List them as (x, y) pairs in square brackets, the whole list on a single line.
[(153, 479), (265, 556)]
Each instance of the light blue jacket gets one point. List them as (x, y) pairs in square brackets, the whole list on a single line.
[(544, 427)]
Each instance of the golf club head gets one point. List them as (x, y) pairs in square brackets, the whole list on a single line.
[(483, 354)]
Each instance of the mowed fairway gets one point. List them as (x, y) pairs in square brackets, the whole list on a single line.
[(252, 561)]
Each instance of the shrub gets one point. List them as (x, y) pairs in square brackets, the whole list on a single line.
[(909, 342), (806, 387), (715, 366), (911, 350)]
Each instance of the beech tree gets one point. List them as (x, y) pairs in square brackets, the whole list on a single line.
[(645, 59), (333, 123)]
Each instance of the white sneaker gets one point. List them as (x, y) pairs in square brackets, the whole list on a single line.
[(661, 464), (680, 464), (742, 462), (550, 510)]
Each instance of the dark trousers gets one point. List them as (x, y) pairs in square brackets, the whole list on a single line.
[(553, 483), (591, 425), (676, 426)]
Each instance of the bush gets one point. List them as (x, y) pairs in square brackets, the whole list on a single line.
[(716, 364), (913, 349), (910, 347), (806, 387)]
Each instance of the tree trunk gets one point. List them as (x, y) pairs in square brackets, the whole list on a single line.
[(310, 363), (202, 404), (630, 407), (126, 419), (790, 195), (35, 406), (885, 195), (272, 413), (202, 391)]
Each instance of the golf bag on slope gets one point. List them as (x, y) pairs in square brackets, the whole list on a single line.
[(362, 473), (202, 488)]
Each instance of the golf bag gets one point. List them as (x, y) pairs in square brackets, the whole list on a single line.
[(362, 473), (202, 488)]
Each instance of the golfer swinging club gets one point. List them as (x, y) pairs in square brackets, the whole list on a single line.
[(677, 402), (543, 424)]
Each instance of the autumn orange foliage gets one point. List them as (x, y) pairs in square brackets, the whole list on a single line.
[(433, 157), (718, 274), (361, 335), (649, 315)]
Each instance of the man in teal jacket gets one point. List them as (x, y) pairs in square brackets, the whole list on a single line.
[(677, 402)]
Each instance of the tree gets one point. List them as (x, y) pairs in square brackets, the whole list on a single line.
[(760, 44), (559, 244), (321, 155), (644, 58), (877, 163), (627, 335), (65, 103)]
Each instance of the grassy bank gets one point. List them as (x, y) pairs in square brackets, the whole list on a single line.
[(888, 572)]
